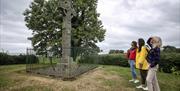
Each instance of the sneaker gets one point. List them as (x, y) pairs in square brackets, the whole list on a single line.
[(145, 88), (136, 81), (131, 80), (140, 86)]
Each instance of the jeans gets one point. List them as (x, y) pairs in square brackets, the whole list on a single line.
[(132, 67)]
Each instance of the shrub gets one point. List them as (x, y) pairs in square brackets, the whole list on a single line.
[(108, 59), (90, 59), (6, 59), (114, 59), (169, 62), (32, 59)]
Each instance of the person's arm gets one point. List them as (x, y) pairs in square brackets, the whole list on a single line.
[(156, 57), (135, 54)]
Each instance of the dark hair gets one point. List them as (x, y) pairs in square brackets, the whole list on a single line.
[(140, 43), (148, 41), (134, 44)]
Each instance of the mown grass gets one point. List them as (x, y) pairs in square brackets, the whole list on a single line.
[(167, 82), (11, 76), (6, 74), (33, 88)]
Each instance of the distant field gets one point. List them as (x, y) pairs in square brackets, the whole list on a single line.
[(103, 78)]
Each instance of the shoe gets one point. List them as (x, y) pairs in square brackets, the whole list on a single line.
[(131, 80), (145, 88), (136, 81), (140, 86)]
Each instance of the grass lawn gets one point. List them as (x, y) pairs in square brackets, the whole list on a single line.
[(103, 78)]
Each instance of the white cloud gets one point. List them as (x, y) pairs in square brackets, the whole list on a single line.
[(124, 20), (13, 32), (127, 20)]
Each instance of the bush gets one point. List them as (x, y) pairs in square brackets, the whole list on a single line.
[(90, 59), (32, 59), (6, 59), (169, 62), (114, 59), (108, 59)]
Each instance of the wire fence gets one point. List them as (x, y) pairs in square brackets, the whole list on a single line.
[(81, 61)]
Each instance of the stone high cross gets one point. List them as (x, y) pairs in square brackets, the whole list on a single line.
[(68, 13)]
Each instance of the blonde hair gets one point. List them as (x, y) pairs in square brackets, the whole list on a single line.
[(157, 41)]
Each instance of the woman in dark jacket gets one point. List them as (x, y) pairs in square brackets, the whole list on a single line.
[(153, 59)]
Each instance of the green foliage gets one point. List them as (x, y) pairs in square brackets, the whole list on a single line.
[(32, 59), (170, 62), (45, 20), (6, 59), (170, 49), (87, 54), (90, 59), (114, 59), (109, 59), (116, 51)]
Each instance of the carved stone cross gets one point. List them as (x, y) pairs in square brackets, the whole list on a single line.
[(66, 34)]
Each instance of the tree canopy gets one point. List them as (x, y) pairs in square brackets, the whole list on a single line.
[(170, 49), (45, 19)]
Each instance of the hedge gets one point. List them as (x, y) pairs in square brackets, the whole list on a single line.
[(114, 59), (6, 59), (108, 59), (169, 62)]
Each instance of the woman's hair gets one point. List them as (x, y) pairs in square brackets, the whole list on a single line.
[(158, 41), (149, 41), (140, 43), (134, 44)]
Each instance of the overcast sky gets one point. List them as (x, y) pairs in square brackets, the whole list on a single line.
[(124, 20)]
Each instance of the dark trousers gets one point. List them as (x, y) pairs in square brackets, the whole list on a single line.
[(143, 74)]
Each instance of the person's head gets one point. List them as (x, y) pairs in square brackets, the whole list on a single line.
[(155, 42), (140, 43), (134, 44)]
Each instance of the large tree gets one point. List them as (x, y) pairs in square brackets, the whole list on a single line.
[(45, 19)]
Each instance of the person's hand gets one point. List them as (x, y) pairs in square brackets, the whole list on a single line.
[(140, 65), (149, 66)]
